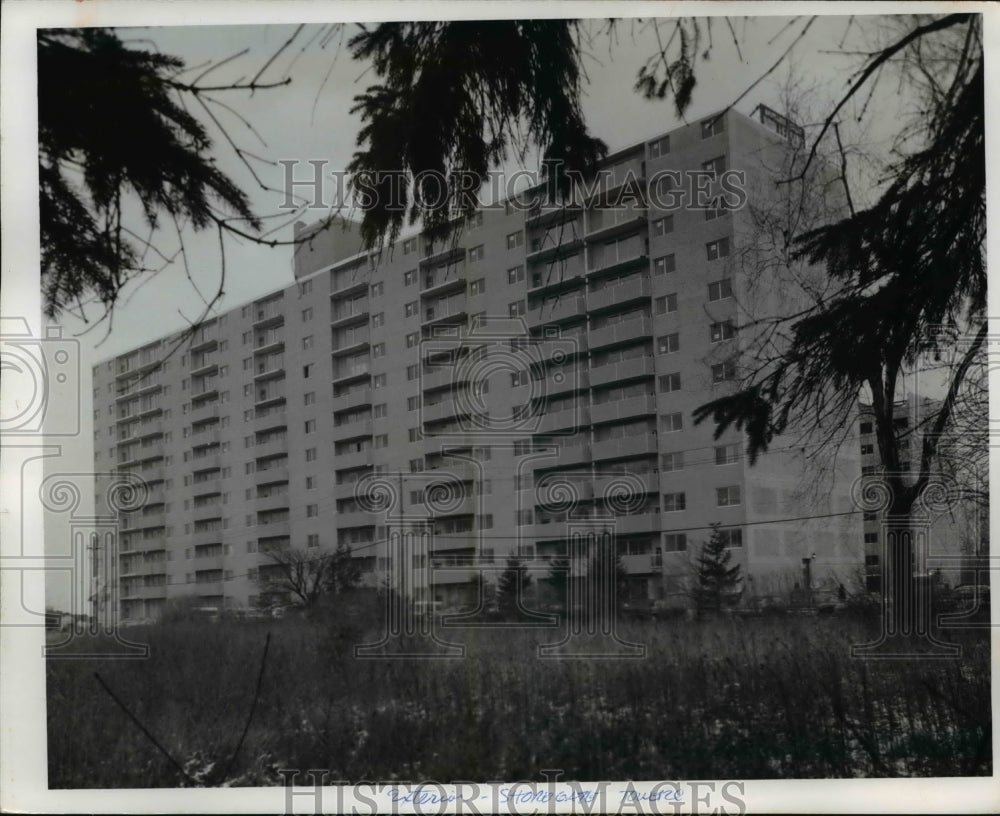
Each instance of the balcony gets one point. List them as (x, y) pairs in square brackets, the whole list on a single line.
[(434, 317), (621, 332), (345, 490), (552, 246), (353, 430), (277, 501), (567, 420), (271, 396), (206, 462), (632, 369), (355, 398), (269, 371), (641, 564), (443, 257), (455, 470), (268, 314), (538, 217), (207, 562), (275, 473), (441, 286), (620, 294), (268, 343), (202, 366), (557, 308), (204, 340), (619, 263), (646, 482), (642, 405), (206, 435), (350, 375), (570, 454), (452, 574), (277, 527), (636, 445), (469, 505), (203, 410), (147, 592), (441, 376), (446, 409), (208, 588), (348, 317), (271, 447), (637, 523), (352, 460), (602, 225), (356, 343), (200, 538), (268, 420), (355, 286), (356, 518)]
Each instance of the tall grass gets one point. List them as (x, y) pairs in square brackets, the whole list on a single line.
[(714, 699)]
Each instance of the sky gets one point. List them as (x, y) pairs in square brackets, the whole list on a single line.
[(310, 119)]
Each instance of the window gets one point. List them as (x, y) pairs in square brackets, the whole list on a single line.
[(727, 454), (413, 403), (669, 423), (409, 246), (724, 372), (412, 339), (378, 320), (307, 314), (867, 449), (476, 253), (307, 343), (410, 277), (515, 274), (306, 371), (672, 461), (377, 289), (310, 426), (664, 264), (722, 330), (310, 454), (516, 309), (312, 540), (670, 382), (310, 482), (477, 287), (515, 239), (663, 226), (727, 496), (414, 434), (312, 510), (381, 441), (305, 287), (674, 502), (866, 427), (720, 290), (717, 249), (869, 470), (380, 410), (668, 343), (486, 522), (410, 309), (713, 127), (378, 350), (476, 220), (416, 465), (665, 304), (519, 378), (714, 166), (731, 537), (412, 372), (675, 542), (309, 398), (659, 148), (871, 538), (719, 210), (378, 381)]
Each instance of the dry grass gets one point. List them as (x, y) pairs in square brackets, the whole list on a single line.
[(716, 699)]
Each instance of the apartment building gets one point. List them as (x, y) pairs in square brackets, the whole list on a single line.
[(524, 388)]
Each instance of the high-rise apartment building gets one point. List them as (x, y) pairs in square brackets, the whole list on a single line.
[(527, 384)]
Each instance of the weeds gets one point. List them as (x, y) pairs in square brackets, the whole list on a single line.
[(713, 699)]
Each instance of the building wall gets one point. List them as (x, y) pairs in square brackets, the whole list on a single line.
[(261, 426)]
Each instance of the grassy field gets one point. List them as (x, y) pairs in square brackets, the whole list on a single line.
[(714, 699)]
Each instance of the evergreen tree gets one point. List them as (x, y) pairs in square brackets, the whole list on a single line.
[(717, 580), (512, 581)]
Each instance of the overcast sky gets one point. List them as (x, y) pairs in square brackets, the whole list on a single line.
[(310, 119)]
